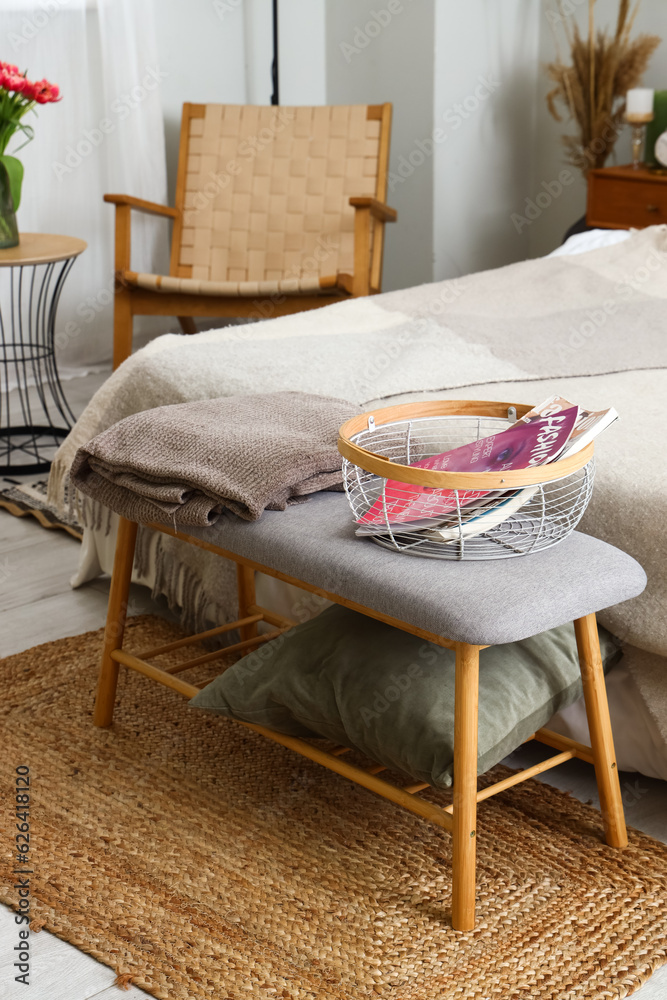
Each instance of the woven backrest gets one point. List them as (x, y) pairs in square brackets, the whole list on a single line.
[(264, 191)]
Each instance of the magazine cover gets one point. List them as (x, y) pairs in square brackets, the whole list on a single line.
[(589, 422), (521, 446)]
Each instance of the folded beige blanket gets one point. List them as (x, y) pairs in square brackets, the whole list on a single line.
[(184, 464)]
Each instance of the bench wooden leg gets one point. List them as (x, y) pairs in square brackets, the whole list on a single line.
[(602, 743), (465, 786), (116, 615), (245, 577)]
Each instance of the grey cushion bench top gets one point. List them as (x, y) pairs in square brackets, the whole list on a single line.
[(480, 602)]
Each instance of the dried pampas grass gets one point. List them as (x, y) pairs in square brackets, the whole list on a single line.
[(592, 89)]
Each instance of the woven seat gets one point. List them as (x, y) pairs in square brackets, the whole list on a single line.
[(277, 210), (193, 286)]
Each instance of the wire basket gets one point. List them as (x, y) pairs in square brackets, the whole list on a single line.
[(474, 515)]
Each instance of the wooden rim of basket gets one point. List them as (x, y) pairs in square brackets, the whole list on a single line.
[(386, 469)]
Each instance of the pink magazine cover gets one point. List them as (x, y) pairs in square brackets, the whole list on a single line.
[(521, 446), (589, 422)]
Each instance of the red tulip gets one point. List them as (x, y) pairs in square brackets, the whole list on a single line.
[(44, 92), (19, 95), (15, 82)]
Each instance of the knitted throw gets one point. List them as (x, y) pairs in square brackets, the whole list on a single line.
[(184, 464)]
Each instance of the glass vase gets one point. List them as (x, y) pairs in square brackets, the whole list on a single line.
[(9, 233)]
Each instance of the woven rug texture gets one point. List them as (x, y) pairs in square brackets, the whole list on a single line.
[(28, 499), (200, 860)]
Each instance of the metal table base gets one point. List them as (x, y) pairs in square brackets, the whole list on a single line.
[(34, 413)]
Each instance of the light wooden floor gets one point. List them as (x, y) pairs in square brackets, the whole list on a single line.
[(37, 605)]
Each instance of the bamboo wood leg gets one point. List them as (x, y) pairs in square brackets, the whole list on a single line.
[(602, 742), (123, 325), (122, 305), (188, 324), (116, 615), (245, 577), (465, 786)]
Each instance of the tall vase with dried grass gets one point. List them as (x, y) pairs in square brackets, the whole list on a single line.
[(592, 87)]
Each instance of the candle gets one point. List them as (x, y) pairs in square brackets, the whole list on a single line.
[(639, 104), (657, 126)]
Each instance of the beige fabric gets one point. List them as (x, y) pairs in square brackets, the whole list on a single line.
[(244, 289), (268, 189), (173, 464)]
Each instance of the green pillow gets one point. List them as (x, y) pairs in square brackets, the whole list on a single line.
[(349, 678)]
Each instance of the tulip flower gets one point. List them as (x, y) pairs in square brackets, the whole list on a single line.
[(18, 95)]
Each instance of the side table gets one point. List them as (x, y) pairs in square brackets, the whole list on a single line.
[(625, 198), (30, 288)]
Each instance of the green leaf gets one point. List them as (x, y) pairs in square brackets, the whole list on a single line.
[(14, 170)]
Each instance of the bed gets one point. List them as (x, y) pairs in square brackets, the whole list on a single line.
[(587, 322)]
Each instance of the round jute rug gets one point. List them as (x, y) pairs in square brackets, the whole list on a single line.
[(200, 860)]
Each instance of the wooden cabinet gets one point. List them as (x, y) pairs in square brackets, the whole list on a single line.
[(622, 197)]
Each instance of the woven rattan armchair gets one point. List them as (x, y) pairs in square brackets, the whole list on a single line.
[(277, 210)]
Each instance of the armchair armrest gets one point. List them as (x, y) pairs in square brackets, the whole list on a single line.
[(150, 207), (367, 276), (377, 208)]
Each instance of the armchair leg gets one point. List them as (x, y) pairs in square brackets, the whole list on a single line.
[(465, 786), (188, 324), (116, 615), (602, 742), (122, 326)]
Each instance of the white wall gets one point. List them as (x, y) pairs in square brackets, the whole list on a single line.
[(258, 45), (301, 51), (201, 46), (485, 106), (377, 51), (548, 229), (221, 51)]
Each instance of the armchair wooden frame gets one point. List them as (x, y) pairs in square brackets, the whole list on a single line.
[(460, 816), (130, 300)]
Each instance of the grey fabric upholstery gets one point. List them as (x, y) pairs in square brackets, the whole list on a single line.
[(484, 603)]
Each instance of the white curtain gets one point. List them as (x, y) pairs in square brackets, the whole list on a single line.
[(106, 135)]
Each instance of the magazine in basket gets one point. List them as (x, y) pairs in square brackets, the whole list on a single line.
[(588, 425), (554, 429)]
